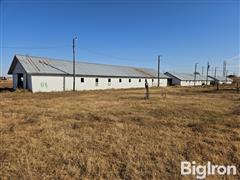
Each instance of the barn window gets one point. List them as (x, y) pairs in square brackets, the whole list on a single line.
[(140, 80), (129, 80), (120, 80), (96, 81), (82, 80), (109, 82)]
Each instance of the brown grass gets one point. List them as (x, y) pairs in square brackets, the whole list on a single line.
[(5, 85), (116, 134)]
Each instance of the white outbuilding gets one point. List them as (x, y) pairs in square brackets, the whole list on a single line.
[(39, 74), (221, 79), (187, 79)]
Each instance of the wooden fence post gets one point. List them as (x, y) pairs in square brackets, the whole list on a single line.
[(147, 89)]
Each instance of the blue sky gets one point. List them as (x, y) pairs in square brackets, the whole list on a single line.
[(124, 32)]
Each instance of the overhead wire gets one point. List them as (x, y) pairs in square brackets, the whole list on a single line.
[(47, 47), (173, 67), (1, 35)]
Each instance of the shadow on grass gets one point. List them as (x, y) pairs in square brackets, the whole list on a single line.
[(6, 89)]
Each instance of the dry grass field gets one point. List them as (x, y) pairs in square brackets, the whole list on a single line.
[(116, 134), (5, 85)]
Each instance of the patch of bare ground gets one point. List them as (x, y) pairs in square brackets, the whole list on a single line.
[(116, 134)]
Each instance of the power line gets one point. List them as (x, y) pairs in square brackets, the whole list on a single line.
[(1, 37), (117, 2), (58, 47), (19, 47), (174, 67), (107, 55)]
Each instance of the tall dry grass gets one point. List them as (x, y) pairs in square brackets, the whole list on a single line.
[(116, 134)]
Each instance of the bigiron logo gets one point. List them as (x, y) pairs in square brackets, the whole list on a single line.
[(202, 171)]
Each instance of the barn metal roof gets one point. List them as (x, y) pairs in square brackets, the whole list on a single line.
[(42, 65), (220, 78), (186, 76)]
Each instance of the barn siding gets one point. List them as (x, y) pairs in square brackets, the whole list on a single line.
[(15, 81), (191, 83), (29, 82), (176, 81), (57, 83), (19, 70)]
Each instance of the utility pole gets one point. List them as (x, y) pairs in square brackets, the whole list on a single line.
[(74, 74), (208, 66), (202, 70), (238, 89), (159, 71), (226, 74), (1, 35), (224, 68), (195, 73), (215, 77), (147, 89), (215, 72)]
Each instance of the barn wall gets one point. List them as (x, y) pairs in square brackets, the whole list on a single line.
[(163, 82), (24, 81), (191, 83), (175, 81), (69, 83), (60, 83), (15, 81), (47, 83), (29, 82), (18, 70), (205, 82)]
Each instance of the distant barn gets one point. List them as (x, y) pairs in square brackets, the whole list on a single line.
[(187, 79), (221, 79), (40, 74)]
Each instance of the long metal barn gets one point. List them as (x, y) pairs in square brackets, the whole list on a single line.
[(39, 74)]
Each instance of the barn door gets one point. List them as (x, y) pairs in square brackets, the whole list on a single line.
[(19, 80)]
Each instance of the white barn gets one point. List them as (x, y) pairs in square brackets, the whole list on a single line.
[(187, 79), (221, 79), (39, 74)]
